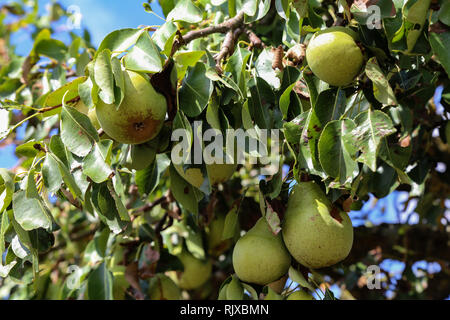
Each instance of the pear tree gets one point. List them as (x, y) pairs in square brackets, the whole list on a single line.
[(333, 119)]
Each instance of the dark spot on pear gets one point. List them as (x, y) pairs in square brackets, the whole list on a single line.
[(139, 126)]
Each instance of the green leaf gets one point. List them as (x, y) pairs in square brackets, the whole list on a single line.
[(30, 149), (104, 76), (297, 277), (184, 192), (235, 291), (21, 251), (285, 100), (120, 40), (4, 270), (31, 213), (77, 131), (333, 154), (24, 238), (249, 7), (4, 224), (96, 165), (264, 70), (262, 10), (330, 105), (236, 65), (193, 240), (58, 154), (186, 11), (371, 127), (100, 283), (69, 91), (107, 207), (144, 56), (395, 155), (52, 48), (195, 91), (119, 79), (262, 97), (230, 224), (148, 179), (272, 295), (439, 43), (6, 189), (381, 88), (51, 174), (164, 37), (444, 13), (183, 60)]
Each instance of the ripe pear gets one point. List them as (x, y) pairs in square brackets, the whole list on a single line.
[(196, 272), (260, 257), (316, 235), (139, 117), (217, 173), (300, 295), (334, 57), (161, 287)]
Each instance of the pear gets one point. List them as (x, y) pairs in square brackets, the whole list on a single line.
[(196, 272), (161, 287), (334, 57), (300, 295), (217, 173), (139, 117), (216, 245), (316, 235), (260, 257)]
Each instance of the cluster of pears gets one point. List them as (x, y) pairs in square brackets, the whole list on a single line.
[(334, 57), (140, 116), (313, 233)]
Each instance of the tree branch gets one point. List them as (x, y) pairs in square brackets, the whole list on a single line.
[(224, 27), (227, 46)]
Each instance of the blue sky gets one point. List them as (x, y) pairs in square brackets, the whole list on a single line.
[(100, 17)]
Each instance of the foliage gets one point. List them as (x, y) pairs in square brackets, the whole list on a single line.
[(77, 222)]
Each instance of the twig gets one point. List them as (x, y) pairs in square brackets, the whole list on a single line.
[(75, 202), (227, 46), (74, 238), (255, 41), (224, 27), (150, 206)]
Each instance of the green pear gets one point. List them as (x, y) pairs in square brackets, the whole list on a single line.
[(139, 117), (196, 272), (300, 295), (217, 173), (334, 57), (161, 287), (315, 235), (260, 257)]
